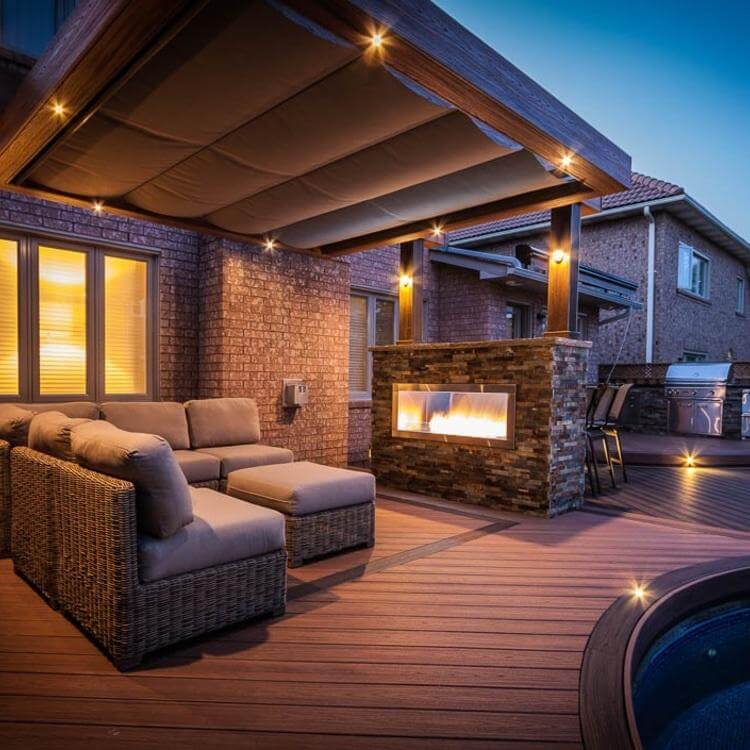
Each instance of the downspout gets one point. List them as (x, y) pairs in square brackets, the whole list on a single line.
[(651, 265)]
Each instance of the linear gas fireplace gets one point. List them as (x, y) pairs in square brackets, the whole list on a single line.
[(475, 414)]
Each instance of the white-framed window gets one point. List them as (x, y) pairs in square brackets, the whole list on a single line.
[(693, 271), (740, 300), (373, 321)]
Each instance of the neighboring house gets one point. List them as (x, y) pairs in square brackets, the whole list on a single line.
[(691, 271)]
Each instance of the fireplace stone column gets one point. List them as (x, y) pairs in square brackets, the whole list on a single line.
[(541, 475)]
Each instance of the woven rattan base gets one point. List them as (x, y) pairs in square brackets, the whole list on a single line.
[(4, 499), (308, 537)]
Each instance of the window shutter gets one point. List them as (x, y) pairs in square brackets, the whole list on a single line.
[(62, 322), (9, 385), (685, 265), (358, 344), (125, 305)]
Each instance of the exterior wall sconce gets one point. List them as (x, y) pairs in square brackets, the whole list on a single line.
[(405, 280), (559, 255)]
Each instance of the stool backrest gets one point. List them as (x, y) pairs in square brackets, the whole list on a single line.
[(603, 405), (618, 402)]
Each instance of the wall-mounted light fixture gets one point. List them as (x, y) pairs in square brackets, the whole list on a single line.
[(558, 255), (405, 280)]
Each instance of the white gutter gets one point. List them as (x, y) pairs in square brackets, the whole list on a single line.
[(651, 265)]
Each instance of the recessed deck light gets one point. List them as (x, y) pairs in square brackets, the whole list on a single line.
[(437, 230), (376, 40), (58, 109), (639, 592), (566, 161)]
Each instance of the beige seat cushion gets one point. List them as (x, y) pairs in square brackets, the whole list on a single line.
[(50, 433), (14, 424), (164, 418), (302, 488), (222, 421), (235, 457), (198, 467), (162, 492), (223, 530), (74, 409)]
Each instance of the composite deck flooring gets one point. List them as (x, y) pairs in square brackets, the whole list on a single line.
[(455, 631), (707, 495)]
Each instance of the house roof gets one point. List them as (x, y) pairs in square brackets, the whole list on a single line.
[(644, 189), (594, 286)]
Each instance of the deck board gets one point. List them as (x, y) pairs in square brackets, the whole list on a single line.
[(453, 632)]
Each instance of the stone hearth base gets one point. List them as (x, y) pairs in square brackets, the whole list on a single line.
[(543, 473)]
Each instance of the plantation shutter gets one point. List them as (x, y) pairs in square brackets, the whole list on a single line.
[(685, 266), (358, 344), (9, 385), (125, 309), (62, 322)]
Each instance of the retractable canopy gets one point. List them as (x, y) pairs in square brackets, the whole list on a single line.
[(327, 126)]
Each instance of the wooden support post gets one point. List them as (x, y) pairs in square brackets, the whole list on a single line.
[(410, 284), (562, 291)]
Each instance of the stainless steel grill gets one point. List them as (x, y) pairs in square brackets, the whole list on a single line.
[(695, 394)]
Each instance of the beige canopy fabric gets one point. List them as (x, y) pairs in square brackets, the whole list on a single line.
[(258, 122)]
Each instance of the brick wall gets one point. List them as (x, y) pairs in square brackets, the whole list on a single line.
[(541, 475), (178, 282), (682, 322), (269, 316)]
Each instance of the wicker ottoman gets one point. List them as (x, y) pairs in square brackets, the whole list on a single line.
[(327, 509)]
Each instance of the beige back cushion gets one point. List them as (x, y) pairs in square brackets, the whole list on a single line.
[(75, 409), (162, 493), (50, 433), (14, 423), (222, 421), (165, 418)]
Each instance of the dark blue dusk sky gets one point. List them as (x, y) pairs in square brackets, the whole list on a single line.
[(667, 81)]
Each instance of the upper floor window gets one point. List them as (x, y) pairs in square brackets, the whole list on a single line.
[(75, 322), (693, 271), (27, 26), (373, 321), (740, 300)]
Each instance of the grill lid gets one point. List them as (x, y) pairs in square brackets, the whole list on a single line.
[(698, 372)]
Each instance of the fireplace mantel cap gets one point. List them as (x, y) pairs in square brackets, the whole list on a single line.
[(542, 342)]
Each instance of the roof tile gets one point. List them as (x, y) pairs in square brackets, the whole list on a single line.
[(644, 188)]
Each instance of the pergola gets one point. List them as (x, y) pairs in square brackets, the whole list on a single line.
[(321, 126)]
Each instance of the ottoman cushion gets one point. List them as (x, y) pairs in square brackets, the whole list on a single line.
[(302, 488), (223, 530), (198, 467), (235, 457)]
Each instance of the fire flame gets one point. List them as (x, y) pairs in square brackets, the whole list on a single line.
[(468, 415)]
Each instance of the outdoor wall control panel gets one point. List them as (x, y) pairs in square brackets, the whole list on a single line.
[(295, 393)]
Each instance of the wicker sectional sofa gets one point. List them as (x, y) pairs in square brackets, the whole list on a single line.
[(196, 431), (144, 564)]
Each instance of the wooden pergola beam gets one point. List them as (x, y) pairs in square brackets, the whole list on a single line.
[(562, 290), (410, 293), (101, 43), (537, 200)]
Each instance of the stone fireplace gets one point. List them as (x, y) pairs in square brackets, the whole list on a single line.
[(496, 423)]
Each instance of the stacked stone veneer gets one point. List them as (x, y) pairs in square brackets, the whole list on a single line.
[(541, 475)]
